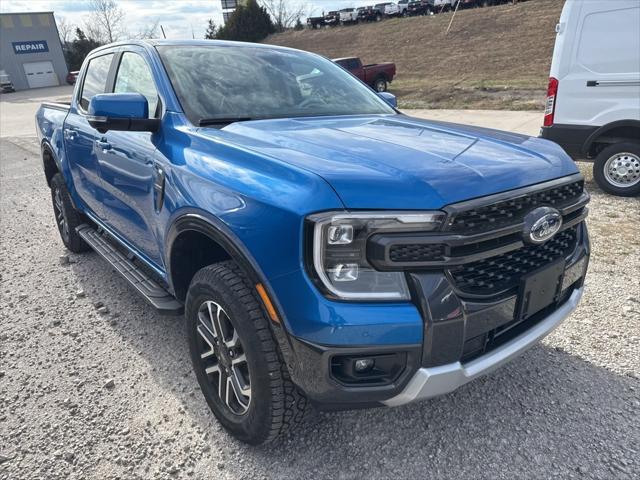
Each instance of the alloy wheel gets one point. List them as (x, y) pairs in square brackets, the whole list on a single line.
[(61, 219), (223, 358)]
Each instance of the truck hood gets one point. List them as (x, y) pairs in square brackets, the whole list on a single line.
[(398, 162)]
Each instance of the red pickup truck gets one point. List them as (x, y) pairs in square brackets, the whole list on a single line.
[(377, 75)]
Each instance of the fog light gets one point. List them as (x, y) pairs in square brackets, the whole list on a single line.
[(344, 272), (363, 365), (340, 234)]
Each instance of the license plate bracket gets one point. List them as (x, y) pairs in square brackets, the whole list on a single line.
[(540, 288)]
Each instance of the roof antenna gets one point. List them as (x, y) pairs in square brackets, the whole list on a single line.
[(163, 34)]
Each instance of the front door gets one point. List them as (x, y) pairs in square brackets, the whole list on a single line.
[(129, 167), (80, 137)]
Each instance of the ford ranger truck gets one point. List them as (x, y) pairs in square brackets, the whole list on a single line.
[(326, 249)]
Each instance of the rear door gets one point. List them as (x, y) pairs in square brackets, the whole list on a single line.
[(133, 178), (80, 137), (599, 67)]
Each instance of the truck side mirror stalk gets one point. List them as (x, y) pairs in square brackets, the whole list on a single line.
[(121, 111)]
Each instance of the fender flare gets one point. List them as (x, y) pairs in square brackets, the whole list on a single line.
[(591, 139), (192, 219), (45, 145)]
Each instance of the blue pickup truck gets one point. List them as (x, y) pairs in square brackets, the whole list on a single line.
[(326, 249)]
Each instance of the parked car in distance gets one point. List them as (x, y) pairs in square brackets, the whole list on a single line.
[(348, 15), (437, 6), (381, 8), (417, 7), (402, 8), (315, 22), (369, 14), (391, 9), (593, 99), (6, 85), (377, 75), (332, 18), (72, 77), (324, 248)]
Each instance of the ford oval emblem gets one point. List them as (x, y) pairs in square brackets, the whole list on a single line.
[(541, 224)]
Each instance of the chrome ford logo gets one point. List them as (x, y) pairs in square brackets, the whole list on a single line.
[(541, 224)]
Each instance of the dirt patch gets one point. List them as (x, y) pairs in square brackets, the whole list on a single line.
[(492, 58)]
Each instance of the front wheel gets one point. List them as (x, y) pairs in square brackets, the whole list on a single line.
[(236, 359), (380, 85), (616, 169)]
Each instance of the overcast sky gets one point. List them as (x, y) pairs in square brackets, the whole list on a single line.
[(178, 17)]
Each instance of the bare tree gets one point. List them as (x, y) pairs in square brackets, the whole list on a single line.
[(105, 22), (284, 13), (65, 30), (150, 30)]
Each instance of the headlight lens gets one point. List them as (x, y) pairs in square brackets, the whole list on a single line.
[(339, 252)]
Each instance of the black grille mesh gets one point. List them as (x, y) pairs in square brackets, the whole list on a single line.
[(512, 211), (416, 253), (503, 272)]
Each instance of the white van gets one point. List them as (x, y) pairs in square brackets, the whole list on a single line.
[(593, 99)]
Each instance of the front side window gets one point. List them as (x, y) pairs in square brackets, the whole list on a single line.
[(134, 76), (230, 81), (95, 80)]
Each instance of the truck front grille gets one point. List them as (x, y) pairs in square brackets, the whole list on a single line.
[(513, 210), (503, 272), (417, 252)]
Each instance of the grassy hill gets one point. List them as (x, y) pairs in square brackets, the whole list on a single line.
[(493, 58)]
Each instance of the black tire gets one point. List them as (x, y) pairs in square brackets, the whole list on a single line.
[(66, 216), (627, 155), (380, 84), (274, 403)]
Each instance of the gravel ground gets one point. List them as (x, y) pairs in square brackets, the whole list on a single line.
[(95, 384)]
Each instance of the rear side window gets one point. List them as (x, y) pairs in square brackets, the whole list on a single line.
[(352, 64), (95, 80), (605, 49), (134, 75)]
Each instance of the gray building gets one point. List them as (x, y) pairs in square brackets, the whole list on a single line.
[(30, 50)]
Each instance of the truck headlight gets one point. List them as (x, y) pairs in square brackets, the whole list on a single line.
[(338, 252)]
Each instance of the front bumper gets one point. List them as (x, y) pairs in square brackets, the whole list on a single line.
[(433, 381), (462, 338)]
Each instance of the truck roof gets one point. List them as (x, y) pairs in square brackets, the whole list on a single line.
[(189, 42)]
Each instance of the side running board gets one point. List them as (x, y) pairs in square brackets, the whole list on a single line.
[(154, 293)]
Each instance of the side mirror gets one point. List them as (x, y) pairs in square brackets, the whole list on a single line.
[(390, 98), (121, 111)]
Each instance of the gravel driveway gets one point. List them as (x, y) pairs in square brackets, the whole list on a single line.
[(95, 384)]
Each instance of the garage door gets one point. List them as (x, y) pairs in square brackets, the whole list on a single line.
[(40, 74)]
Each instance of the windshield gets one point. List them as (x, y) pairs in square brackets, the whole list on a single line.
[(247, 82)]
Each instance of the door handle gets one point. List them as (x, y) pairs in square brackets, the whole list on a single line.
[(613, 83), (103, 144), (70, 134)]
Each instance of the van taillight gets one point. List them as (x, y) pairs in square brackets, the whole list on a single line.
[(550, 107)]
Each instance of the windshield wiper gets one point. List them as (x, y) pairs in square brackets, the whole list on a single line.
[(203, 122)]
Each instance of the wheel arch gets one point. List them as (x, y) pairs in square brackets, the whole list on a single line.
[(50, 162), (196, 222), (621, 129)]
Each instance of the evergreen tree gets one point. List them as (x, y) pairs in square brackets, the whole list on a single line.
[(249, 23), (298, 25), (78, 49), (212, 31)]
